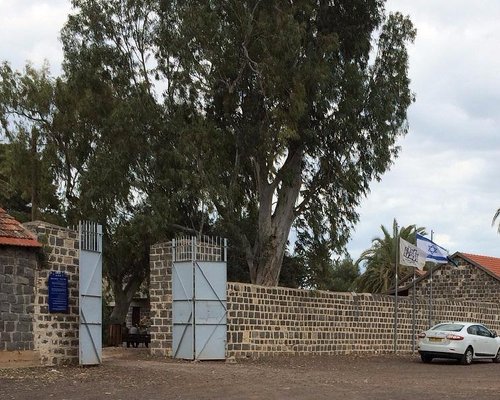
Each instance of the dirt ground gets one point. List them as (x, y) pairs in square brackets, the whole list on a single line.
[(132, 374)]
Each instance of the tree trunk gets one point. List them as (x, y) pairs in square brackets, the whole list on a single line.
[(123, 298), (270, 259), (274, 227), (34, 177)]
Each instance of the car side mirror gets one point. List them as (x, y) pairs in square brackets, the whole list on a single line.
[(494, 333)]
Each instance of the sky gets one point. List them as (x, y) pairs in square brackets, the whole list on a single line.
[(445, 178)]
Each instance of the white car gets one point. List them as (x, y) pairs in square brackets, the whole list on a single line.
[(463, 341)]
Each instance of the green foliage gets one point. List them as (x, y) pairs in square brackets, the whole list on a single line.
[(26, 112), (379, 260), (239, 118), (10, 195), (320, 271), (132, 174), (294, 273), (345, 272), (127, 250), (273, 113), (298, 120)]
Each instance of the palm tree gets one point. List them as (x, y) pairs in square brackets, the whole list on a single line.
[(379, 260)]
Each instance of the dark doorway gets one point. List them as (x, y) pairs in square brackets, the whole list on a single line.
[(136, 316)]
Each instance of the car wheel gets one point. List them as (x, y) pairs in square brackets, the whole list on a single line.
[(467, 357), (425, 358), (497, 358)]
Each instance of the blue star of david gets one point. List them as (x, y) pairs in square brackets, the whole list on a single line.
[(432, 249)]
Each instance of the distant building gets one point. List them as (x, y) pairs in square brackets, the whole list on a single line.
[(474, 278), (19, 250)]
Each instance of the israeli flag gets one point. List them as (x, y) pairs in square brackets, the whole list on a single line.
[(434, 252)]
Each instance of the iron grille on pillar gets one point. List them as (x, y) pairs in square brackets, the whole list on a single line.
[(205, 248), (90, 236)]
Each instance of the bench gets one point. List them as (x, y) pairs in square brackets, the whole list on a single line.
[(136, 338)]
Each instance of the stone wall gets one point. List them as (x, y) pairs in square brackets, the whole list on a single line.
[(457, 283), (56, 334), (17, 288), (266, 321)]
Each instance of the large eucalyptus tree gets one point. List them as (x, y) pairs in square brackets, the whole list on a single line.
[(259, 115), (301, 103)]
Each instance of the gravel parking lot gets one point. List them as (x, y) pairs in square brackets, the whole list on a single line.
[(132, 374)]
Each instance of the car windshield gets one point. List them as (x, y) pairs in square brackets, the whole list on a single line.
[(448, 327)]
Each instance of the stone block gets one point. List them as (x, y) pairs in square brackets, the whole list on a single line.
[(22, 280), (10, 326), (28, 289), (18, 308), (7, 288), (16, 337), (13, 346), (24, 327), (72, 352), (8, 316)]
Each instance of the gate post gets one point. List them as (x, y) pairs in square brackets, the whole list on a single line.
[(160, 294), (55, 335)]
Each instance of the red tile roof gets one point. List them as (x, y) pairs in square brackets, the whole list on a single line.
[(492, 264), (12, 233)]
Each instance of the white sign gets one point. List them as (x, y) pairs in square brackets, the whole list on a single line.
[(411, 255)]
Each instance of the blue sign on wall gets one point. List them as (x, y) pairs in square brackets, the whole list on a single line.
[(58, 292)]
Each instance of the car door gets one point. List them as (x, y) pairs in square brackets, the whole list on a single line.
[(473, 338), (486, 343)]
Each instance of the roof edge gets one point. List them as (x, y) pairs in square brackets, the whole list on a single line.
[(463, 256), (8, 241)]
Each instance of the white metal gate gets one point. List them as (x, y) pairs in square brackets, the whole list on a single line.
[(90, 280), (199, 300)]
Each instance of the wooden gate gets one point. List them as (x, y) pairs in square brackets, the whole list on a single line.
[(90, 280), (199, 304)]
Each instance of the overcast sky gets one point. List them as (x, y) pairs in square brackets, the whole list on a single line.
[(446, 177)]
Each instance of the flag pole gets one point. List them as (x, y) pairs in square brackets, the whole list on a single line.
[(430, 294), (413, 324), (396, 239)]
